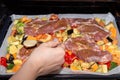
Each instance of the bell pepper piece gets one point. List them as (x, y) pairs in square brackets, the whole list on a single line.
[(112, 65)]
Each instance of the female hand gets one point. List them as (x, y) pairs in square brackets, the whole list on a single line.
[(50, 55), (46, 58)]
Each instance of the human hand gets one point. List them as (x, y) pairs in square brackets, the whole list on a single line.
[(48, 57)]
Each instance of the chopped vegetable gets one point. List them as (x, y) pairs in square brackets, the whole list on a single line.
[(3, 61), (20, 27), (14, 55), (23, 39), (11, 39), (105, 40), (15, 22), (113, 65), (7, 56), (10, 66), (113, 32), (44, 18), (16, 68), (109, 39), (99, 69), (30, 43), (75, 65), (109, 26), (115, 42), (19, 37), (25, 19), (85, 65), (17, 62), (104, 68), (75, 31), (9, 71), (69, 32), (94, 67), (20, 30), (45, 38), (13, 49), (31, 38), (13, 33), (105, 63), (100, 21), (19, 24), (100, 43), (10, 59), (19, 46), (69, 58), (97, 19)]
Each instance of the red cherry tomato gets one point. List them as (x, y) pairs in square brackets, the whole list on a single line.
[(69, 58), (108, 64), (3, 61)]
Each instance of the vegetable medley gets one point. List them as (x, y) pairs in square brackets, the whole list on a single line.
[(18, 40)]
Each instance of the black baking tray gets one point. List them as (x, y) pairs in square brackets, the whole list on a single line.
[(29, 7)]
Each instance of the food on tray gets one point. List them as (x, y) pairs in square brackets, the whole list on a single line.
[(90, 44)]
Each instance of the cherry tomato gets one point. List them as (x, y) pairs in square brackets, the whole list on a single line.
[(69, 58), (108, 64), (3, 61)]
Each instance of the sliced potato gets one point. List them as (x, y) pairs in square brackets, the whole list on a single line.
[(85, 65), (109, 26), (9, 71), (15, 22), (11, 39), (13, 49), (44, 18), (17, 61), (15, 43), (100, 21), (75, 31), (99, 69), (75, 35), (19, 37), (29, 43), (104, 69), (19, 46), (97, 19)]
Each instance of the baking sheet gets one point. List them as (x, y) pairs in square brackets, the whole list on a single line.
[(108, 18)]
